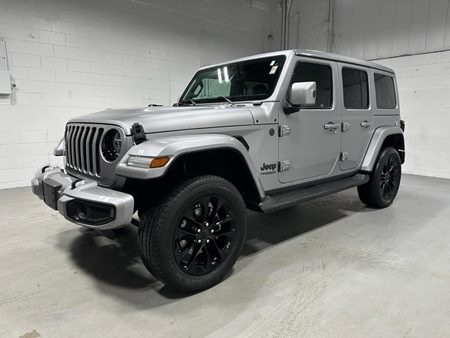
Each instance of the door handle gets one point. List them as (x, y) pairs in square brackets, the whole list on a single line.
[(331, 126), (365, 124)]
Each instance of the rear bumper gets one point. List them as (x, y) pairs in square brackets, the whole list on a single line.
[(82, 201)]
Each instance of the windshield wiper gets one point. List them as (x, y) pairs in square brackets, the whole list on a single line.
[(209, 99), (188, 101), (226, 99)]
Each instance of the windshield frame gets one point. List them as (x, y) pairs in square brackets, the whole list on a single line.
[(282, 58)]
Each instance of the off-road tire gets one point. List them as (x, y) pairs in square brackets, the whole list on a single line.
[(384, 182), (160, 225)]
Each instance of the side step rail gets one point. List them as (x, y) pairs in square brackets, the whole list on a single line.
[(277, 201)]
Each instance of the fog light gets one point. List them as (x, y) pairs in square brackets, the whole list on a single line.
[(90, 213)]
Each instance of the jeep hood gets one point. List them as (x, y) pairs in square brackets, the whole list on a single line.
[(161, 119)]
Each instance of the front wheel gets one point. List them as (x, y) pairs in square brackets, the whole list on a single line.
[(384, 182), (192, 239)]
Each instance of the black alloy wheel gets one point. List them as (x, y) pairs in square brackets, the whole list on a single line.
[(384, 182), (191, 239), (204, 235), (390, 178)]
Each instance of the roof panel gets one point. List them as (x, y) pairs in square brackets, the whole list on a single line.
[(341, 58)]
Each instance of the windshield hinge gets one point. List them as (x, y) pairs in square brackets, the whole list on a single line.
[(138, 133), (283, 166)]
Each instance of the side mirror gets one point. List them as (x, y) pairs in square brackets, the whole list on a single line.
[(302, 94)]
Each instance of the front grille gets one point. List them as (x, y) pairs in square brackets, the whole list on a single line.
[(83, 148), (84, 157)]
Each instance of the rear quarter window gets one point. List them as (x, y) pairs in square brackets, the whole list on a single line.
[(385, 91)]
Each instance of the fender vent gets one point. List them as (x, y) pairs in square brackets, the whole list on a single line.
[(243, 141)]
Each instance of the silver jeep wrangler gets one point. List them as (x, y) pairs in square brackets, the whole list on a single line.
[(262, 132)]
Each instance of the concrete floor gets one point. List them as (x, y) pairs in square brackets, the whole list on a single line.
[(330, 267)]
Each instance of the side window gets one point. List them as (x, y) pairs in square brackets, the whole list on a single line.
[(321, 74), (385, 91), (356, 89)]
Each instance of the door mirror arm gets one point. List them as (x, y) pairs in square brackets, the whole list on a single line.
[(289, 108)]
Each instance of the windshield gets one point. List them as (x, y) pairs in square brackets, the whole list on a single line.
[(242, 81)]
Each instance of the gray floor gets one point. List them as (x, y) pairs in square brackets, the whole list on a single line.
[(330, 267)]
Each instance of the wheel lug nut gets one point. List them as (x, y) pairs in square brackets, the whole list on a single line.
[(207, 241), (212, 231), (198, 230), (199, 241)]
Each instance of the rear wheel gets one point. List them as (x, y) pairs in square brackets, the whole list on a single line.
[(384, 182), (192, 239)]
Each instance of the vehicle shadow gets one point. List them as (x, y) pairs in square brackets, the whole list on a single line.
[(266, 230), (116, 266)]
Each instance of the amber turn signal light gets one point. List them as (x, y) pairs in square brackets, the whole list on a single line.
[(159, 162)]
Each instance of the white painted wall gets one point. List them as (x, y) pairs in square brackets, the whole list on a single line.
[(72, 57), (381, 29), (369, 29), (378, 29), (424, 88), (307, 25)]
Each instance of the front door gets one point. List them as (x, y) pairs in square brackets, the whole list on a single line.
[(310, 145), (356, 113)]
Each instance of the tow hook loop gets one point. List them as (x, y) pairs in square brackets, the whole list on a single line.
[(137, 130)]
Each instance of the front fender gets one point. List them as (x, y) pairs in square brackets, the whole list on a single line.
[(174, 146), (378, 138)]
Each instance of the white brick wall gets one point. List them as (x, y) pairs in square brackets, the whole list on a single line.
[(72, 57)]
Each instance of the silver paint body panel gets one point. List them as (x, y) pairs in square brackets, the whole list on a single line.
[(376, 143), (86, 190), (174, 146), (164, 119)]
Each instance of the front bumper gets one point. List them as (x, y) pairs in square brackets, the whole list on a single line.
[(82, 201)]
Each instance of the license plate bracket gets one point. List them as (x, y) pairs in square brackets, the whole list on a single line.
[(51, 189)]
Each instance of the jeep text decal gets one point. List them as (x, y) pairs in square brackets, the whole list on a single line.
[(268, 168)]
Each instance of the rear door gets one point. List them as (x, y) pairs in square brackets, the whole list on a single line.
[(356, 113)]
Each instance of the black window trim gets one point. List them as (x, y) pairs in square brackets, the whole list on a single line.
[(361, 69), (325, 63), (395, 89)]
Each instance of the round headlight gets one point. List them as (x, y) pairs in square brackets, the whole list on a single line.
[(111, 145)]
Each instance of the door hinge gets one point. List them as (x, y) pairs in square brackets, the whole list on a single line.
[(284, 130), (344, 156), (283, 165), (345, 126)]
